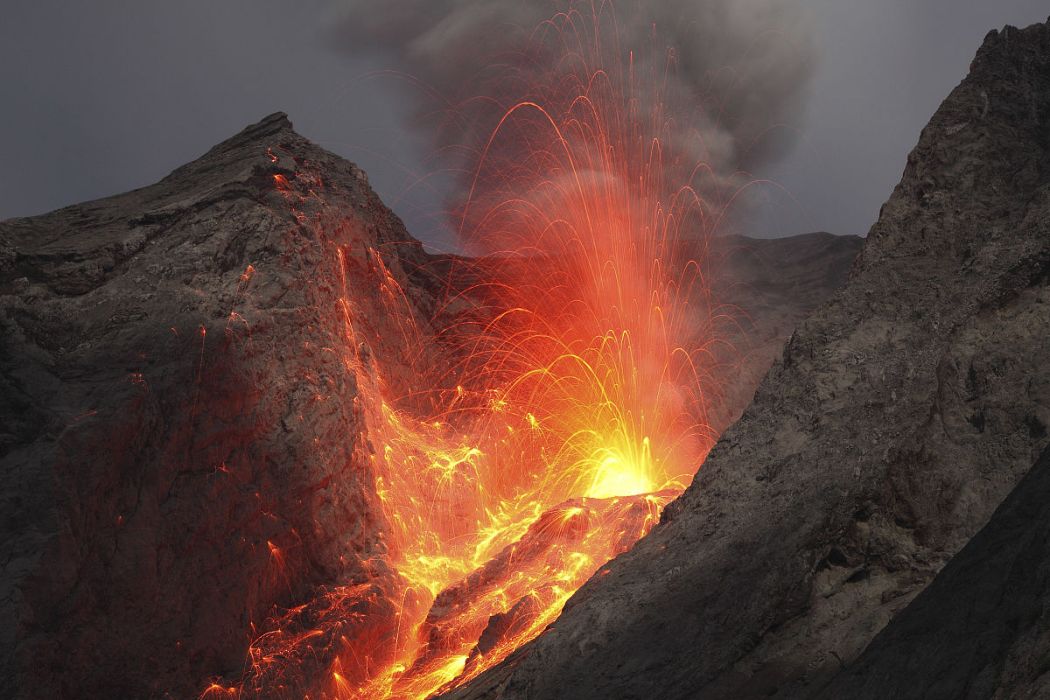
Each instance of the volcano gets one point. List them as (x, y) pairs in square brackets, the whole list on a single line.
[(191, 433), (258, 442)]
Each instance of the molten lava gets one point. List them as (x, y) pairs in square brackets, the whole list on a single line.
[(574, 406)]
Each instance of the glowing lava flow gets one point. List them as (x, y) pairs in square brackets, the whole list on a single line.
[(575, 410)]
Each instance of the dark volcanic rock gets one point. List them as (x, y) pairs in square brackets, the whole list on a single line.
[(898, 418), (180, 445), (982, 628)]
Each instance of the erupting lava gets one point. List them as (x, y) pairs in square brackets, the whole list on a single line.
[(575, 403)]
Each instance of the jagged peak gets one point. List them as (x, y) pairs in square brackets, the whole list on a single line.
[(272, 130), (1002, 37), (266, 128)]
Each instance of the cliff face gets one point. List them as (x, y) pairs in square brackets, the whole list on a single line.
[(898, 417), (180, 445)]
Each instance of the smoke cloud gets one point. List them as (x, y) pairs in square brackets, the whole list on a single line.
[(718, 82)]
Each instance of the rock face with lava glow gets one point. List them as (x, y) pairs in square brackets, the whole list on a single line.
[(221, 465), (182, 447)]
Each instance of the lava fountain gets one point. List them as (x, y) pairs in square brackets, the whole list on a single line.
[(575, 402)]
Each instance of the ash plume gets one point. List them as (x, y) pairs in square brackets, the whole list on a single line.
[(726, 75)]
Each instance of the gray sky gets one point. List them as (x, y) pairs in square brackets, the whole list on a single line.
[(102, 97)]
